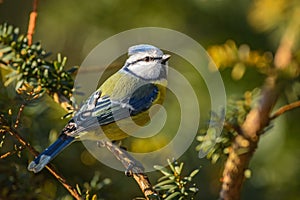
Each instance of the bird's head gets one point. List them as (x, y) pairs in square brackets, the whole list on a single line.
[(147, 62)]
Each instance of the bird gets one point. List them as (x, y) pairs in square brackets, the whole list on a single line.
[(125, 96)]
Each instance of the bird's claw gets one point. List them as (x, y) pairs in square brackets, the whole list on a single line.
[(100, 143), (129, 171)]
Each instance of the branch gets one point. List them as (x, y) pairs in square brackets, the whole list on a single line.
[(32, 22), (133, 168), (284, 109), (288, 40), (244, 145), (13, 132)]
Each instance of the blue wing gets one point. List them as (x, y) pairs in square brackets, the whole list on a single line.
[(102, 110), (98, 110)]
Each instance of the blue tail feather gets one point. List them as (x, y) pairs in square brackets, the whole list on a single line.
[(53, 150)]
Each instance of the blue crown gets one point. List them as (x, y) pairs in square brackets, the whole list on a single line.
[(142, 48)]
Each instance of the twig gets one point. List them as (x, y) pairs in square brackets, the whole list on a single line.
[(19, 116), (10, 153), (133, 168), (284, 109), (13, 132), (7, 154), (32, 22), (49, 167)]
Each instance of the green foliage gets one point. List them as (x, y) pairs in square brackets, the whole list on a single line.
[(173, 185), (25, 67), (219, 20), (15, 178), (216, 146), (93, 186), (27, 64)]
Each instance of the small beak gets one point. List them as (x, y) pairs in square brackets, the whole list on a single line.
[(165, 58)]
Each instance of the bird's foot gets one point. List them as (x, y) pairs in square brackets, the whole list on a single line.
[(134, 167), (101, 143)]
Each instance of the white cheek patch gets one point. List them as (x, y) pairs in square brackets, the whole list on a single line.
[(146, 70)]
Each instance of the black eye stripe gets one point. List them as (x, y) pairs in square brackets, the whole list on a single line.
[(146, 59)]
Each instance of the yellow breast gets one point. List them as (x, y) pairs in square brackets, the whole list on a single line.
[(119, 130)]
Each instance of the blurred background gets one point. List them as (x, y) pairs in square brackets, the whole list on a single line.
[(74, 28)]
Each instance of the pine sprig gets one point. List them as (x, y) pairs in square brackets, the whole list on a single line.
[(215, 146), (173, 185), (27, 64), (91, 188)]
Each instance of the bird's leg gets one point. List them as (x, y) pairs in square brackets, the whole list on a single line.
[(132, 166), (119, 144), (100, 143)]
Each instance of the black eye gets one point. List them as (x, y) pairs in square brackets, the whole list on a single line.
[(147, 58)]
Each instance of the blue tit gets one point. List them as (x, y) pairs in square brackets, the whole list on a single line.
[(127, 94)]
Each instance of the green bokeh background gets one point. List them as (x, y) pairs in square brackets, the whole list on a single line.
[(75, 27)]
